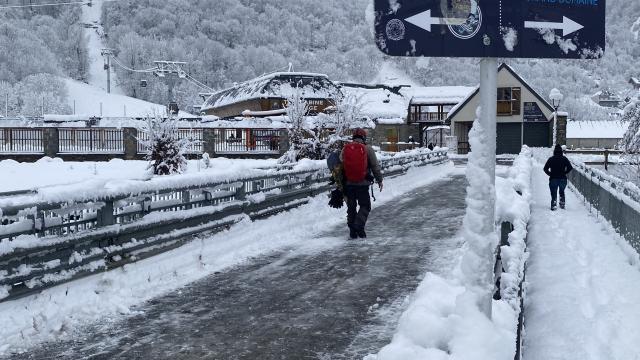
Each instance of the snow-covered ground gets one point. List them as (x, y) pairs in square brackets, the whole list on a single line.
[(97, 75), (93, 101), (61, 311), (49, 172), (583, 285)]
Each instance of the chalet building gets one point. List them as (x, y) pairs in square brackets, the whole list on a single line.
[(524, 117), (635, 83), (607, 98), (595, 134), (267, 95), (403, 113)]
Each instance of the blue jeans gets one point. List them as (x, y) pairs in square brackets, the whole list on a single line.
[(554, 185)]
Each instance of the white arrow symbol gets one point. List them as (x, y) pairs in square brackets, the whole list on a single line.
[(425, 21), (567, 25)]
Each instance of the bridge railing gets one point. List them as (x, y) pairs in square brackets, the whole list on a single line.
[(50, 241), (612, 198)]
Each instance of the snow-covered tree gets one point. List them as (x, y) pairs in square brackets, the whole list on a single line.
[(304, 142), (165, 149), (346, 116), (630, 143)]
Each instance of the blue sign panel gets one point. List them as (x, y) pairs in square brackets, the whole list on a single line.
[(533, 113), (565, 29)]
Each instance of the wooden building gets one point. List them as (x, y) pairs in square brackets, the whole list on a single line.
[(267, 95), (524, 116)]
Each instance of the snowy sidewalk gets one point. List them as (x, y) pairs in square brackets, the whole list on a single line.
[(583, 294)]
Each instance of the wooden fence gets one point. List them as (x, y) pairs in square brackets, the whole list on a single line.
[(90, 141)]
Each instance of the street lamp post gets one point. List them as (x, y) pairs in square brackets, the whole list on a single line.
[(556, 98)]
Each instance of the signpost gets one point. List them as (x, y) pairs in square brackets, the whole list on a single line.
[(488, 29), (565, 29)]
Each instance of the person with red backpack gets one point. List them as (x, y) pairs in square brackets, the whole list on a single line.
[(360, 169)]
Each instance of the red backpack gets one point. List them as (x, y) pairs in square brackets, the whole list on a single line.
[(355, 162)]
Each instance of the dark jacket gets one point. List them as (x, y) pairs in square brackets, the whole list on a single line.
[(558, 166), (374, 166)]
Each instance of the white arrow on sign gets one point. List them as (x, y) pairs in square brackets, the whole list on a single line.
[(567, 25), (424, 20)]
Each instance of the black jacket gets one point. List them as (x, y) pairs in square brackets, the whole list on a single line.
[(557, 167)]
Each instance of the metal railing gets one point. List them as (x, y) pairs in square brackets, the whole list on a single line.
[(21, 141), (234, 141), (195, 137), (91, 141), (75, 238), (611, 198)]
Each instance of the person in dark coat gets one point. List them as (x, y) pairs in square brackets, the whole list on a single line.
[(557, 168), (357, 194)]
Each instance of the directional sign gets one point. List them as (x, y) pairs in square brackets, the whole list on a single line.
[(570, 29)]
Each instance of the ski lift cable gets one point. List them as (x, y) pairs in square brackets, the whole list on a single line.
[(52, 4), (146, 71)]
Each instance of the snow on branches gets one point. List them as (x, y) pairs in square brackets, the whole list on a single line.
[(315, 137), (165, 148)]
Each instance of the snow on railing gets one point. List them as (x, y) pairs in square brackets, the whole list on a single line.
[(618, 201), (101, 226)]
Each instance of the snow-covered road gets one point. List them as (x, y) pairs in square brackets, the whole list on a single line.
[(583, 289), (337, 302)]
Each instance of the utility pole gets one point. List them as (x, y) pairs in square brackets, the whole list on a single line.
[(107, 66)]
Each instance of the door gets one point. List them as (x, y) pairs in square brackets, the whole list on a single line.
[(537, 134), (509, 138)]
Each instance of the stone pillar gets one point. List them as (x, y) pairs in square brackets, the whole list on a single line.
[(50, 141), (284, 142), (561, 129), (130, 138), (209, 141)]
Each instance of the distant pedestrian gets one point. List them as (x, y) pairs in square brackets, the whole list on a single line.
[(557, 168), (410, 140), (361, 168), (430, 146)]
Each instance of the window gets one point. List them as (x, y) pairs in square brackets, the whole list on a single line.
[(509, 101)]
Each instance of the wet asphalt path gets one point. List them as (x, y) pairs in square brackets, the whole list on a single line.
[(341, 303)]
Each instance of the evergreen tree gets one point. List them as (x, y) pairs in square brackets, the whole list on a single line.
[(165, 149)]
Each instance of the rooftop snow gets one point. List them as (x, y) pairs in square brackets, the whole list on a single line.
[(379, 103), (437, 95), (596, 129), (276, 85)]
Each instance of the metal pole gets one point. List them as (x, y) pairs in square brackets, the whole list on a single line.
[(555, 127), (488, 116), (6, 105), (109, 73), (74, 107)]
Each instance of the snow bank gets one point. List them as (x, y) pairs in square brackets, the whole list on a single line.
[(444, 319), (613, 129)]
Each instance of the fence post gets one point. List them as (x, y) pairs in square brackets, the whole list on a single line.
[(241, 193), (105, 214), (209, 141), (50, 141), (130, 139), (284, 141)]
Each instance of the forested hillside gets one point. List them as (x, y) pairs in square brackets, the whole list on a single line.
[(226, 41), (34, 42), (233, 40)]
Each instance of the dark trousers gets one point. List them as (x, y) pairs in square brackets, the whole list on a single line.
[(357, 196), (554, 185)]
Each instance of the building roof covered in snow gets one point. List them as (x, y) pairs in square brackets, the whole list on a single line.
[(276, 85), (614, 129), (436, 95)]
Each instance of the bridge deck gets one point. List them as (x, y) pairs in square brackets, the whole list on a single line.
[(341, 302)]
